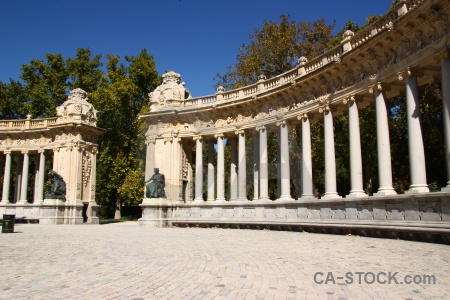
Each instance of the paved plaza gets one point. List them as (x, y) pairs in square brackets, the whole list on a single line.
[(125, 261)]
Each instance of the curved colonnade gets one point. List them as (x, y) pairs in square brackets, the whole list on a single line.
[(405, 49)]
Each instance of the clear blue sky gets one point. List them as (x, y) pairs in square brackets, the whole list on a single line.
[(196, 38)]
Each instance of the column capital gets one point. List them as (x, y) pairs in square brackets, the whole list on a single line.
[(324, 108), (239, 131), (281, 122), (302, 116), (41, 151), (260, 127), (168, 139), (443, 55), (197, 137), (379, 87), (349, 99), (150, 141), (24, 151), (409, 72), (218, 135), (7, 151), (94, 150)]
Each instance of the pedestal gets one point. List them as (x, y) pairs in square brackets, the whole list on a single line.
[(52, 212), (156, 212)]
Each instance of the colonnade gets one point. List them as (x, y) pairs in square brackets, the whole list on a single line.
[(22, 172), (238, 178)]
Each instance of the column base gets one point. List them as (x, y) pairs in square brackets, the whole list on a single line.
[(241, 199), (308, 198), (446, 189), (331, 196), (417, 189), (356, 194), (198, 200), (22, 202), (285, 199), (220, 200), (385, 192)]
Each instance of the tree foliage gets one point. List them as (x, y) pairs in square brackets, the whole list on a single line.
[(118, 92), (275, 48)]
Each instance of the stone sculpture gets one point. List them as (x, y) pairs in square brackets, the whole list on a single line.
[(155, 185), (57, 187)]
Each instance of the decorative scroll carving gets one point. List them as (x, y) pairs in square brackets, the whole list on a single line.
[(86, 168)]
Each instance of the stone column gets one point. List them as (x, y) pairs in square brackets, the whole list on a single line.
[(330, 158), (198, 169), (307, 180), (220, 167), (255, 166), (415, 142), (233, 172), (211, 171), (24, 183), (445, 67), (284, 162), (6, 178), (356, 177), (263, 164), (41, 179), (150, 159), (36, 177), (91, 211), (18, 185), (242, 170), (278, 166), (383, 142)]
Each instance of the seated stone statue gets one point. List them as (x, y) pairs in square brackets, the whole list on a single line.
[(57, 187), (154, 187)]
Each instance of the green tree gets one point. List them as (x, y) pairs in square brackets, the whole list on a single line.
[(275, 48), (120, 97)]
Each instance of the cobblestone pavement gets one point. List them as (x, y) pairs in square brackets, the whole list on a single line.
[(124, 261)]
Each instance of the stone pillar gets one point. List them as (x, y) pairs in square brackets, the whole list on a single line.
[(93, 207), (255, 166), (233, 172), (220, 167), (307, 180), (383, 142), (263, 164), (150, 159), (284, 162), (24, 184), (330, 158), (445, 67), (41, 179), (356, 176), (6, 178), (17, 187), (415, 142), (198, 169), (211, 171), (242, 170), (278, 166), (36, 177)]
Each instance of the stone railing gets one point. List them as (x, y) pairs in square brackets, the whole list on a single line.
[(26, 124)]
